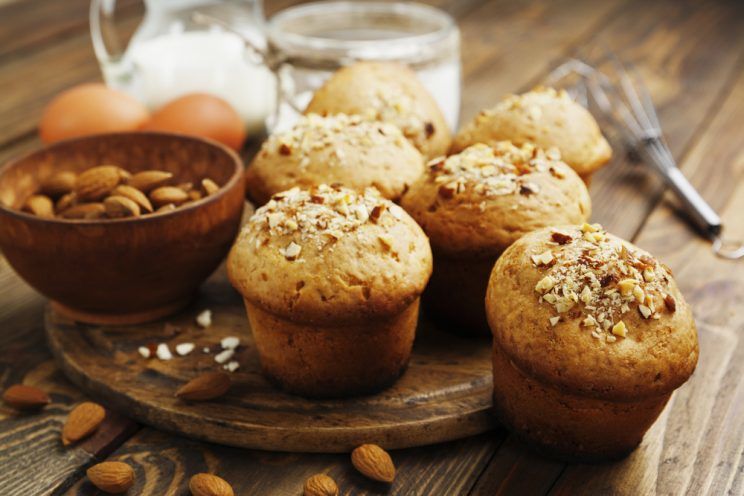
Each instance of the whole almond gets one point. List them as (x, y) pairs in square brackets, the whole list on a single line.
[(39, 205), (22, 397), (59, 184), (133, 194), (97, 182), (120, 206), (205, 387), (65, 202), (166, 208), (209, 485), (168, 194), (209, 186), (111, 477), (82, 421), (186, 187), (84, 211), (373, 462), (147, 181), (195, 195), (320, 485)]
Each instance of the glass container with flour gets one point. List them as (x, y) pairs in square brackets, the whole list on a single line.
[(170, 55)]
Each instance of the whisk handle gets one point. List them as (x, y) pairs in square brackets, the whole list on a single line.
[(697, 208)]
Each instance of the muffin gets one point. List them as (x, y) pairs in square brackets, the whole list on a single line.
[(591, 337), (335, 149), (547, 118), (475, 204), (331, 280), (390, 93)]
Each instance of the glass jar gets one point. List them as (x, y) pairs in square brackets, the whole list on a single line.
[(307, 43), (170, 54)]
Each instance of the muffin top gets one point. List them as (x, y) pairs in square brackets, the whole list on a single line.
[(586, 311), (481, 200), (339, 148), (546, 117), (330, 255), (390, 93)]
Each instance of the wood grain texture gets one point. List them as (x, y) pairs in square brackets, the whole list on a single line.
[(445, 393)]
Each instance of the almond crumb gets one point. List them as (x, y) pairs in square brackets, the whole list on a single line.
[(619, 329), (204, 319)]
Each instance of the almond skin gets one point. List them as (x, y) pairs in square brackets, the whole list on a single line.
[(209, 485), (147, 181), (84, 211), (133, 194), (320, 485), (83, 420), (40, 206), (22, 397), (205, 387), (209, 186), (120, 206), (111, 477), (168, 194), (97, 182), (373, 462), (59, 184)]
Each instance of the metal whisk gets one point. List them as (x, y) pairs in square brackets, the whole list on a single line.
[(626, 102)]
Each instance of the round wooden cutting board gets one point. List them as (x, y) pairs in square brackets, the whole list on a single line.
[(445, 394)]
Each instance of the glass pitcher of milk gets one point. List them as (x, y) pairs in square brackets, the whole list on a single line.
[(169, 55)]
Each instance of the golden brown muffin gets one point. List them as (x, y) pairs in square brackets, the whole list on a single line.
[(335, 149), (591, 337), (475, 204), (331, 280), (547, 118), (390, 93)]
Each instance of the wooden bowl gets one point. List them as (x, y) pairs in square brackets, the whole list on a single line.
[(122, 271)]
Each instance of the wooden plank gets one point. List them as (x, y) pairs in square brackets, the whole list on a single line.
[(31, 454), (696, 446), (164, 464)]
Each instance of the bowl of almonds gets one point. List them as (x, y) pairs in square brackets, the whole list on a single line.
[(120, 228)]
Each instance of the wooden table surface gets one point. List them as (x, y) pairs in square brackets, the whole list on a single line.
[(690, 54)]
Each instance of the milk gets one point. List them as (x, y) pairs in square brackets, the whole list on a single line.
[(211, 61)]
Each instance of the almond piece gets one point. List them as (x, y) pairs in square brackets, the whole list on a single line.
[(209, 485), (120, 206), (208, 186), (22, 397), (168, 194), (97, 182), (65, 202), (40, 206), (320, 485), (147, 181), (205, 387), (373, 462), (84, 211), (166, 208), (111, 477), (59, 184), (133, 194), (195, 195), (82, 421)]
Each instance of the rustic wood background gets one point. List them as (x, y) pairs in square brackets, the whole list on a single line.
[(690, 53)]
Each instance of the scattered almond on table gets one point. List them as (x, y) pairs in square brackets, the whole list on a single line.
[(209, 485), (373, 462), (111, 477), (82, 421), (320, 485), (110, 192), (205, 387), (22, 397)]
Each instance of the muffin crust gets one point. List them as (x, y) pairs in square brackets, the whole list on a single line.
[(547, 118), (344, 149), (390, 93)]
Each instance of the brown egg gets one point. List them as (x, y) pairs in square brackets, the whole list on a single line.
[(90, 108), (200, 114)]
